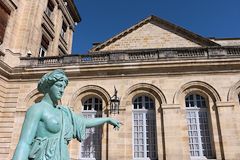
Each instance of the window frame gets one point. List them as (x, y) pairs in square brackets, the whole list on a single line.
[(198, 110), (43, 47), (144, 112), (42, 52), (92, 113), (63, 30), (49, 9)]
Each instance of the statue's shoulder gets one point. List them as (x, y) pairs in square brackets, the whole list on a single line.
[(65, 108), (68, 110), (36, 108)]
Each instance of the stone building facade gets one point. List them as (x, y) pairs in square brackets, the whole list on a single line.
[(179, 91), (42, 28)]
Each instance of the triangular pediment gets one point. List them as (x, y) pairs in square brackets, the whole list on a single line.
[(153, 32)]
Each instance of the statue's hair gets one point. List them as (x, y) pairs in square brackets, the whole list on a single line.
[(50, 78)]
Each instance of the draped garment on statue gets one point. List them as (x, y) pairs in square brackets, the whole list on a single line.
[(55, 147)]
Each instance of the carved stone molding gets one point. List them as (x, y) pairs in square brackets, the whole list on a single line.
[(196, 86)]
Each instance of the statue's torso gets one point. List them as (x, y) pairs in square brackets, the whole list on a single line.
[(50, 123), (47, 142)]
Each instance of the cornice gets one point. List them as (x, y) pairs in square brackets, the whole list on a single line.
[(69, 11), (136, 56), (168, 68), (73, 11), (5, 70), (135, 63)]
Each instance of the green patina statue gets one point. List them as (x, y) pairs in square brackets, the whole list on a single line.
[(48, 127)]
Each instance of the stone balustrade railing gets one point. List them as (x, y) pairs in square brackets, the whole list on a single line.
[(135, 56)]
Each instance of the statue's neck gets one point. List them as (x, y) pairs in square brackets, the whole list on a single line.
[(47, 99)]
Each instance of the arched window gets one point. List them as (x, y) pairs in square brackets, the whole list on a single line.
[(239, 97), (38, 99), (91, 146), (199, 132), (144, 129)]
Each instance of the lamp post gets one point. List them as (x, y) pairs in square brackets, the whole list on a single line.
[(114, 103)]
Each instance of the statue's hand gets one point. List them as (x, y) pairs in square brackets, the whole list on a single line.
[(116, 124)]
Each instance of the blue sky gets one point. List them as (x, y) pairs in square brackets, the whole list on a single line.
[(102, 19)]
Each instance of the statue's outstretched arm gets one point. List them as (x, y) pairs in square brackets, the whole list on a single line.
[(29, 129), (92, 122)]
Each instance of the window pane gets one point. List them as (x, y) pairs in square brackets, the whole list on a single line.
[(198, 127), (91, 146), (144, 128)]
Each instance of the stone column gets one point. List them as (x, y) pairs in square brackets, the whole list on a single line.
[(69, 40), (175, 132), (160, 134), (116, 140), (228, 131), (58, 27)]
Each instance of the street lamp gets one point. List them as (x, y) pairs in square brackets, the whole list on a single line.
[(114, 103)]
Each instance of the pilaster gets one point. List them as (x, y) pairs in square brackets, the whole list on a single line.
[(175, 132)]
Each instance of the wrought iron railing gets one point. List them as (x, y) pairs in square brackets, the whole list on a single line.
[(135, 56)]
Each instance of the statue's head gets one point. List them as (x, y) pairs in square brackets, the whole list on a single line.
[(53, 83)]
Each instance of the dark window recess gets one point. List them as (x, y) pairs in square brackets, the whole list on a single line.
[(49, 9), (61, 51), (43, 47), (63, 30), (38, 99), (239, 97), (4, 16)]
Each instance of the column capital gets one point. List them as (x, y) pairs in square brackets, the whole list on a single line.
[(170, 106), (225, 104)]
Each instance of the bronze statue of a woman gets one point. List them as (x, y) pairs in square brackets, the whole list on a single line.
[(48, 127)]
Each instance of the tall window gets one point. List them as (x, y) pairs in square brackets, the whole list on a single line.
[(239, 97), (63, 30), (43, 47), (49, 9), (4, 16), (144, 129), (200, 142), (91, 146)]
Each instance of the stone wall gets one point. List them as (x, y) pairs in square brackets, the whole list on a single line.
[(26, 25), (148, 36), (168, 93), (4, 139), (8, 94)]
